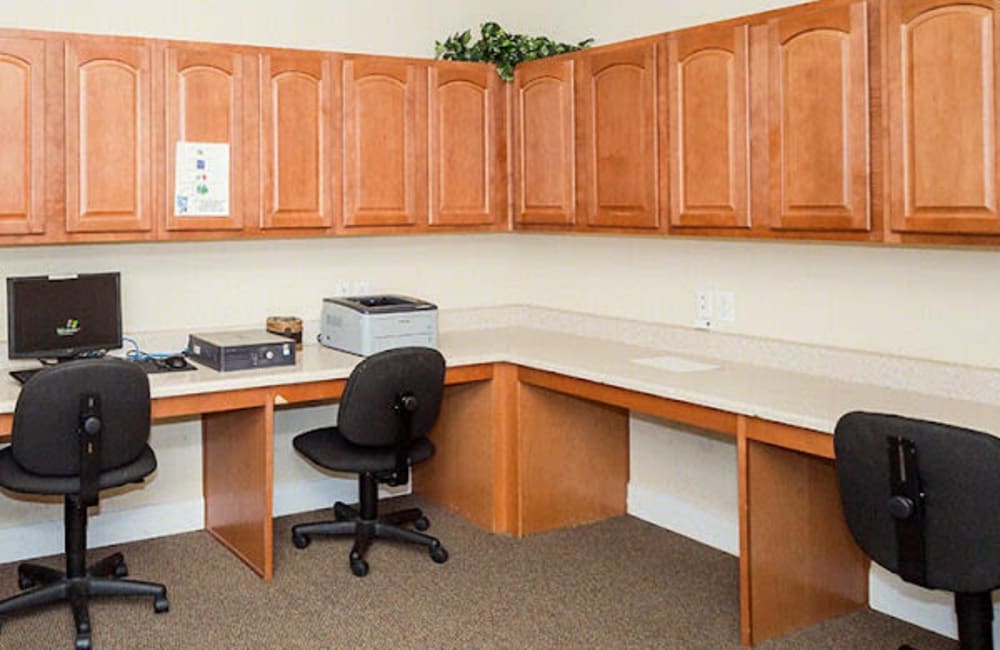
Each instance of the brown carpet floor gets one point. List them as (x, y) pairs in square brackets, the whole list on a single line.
[(621, 583)]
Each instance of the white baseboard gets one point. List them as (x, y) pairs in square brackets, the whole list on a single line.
[(38, 539), (301, 496), (43, 538), (926, 608), (685, 518)]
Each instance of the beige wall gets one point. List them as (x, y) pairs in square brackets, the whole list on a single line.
[(607, 22), (378, 26)]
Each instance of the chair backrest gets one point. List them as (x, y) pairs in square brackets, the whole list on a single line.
[(368, 414), (959, 475), (45, 433)]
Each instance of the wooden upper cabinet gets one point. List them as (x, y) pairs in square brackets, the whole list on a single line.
[(297, 170), (466, 152), (108, 136), (709, 136), (384, 142), (941, 66), (205, 103), (22, 136), (818, 112), (617, 98), (544, 144)]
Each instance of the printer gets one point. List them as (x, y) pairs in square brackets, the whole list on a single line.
[(368, 324)]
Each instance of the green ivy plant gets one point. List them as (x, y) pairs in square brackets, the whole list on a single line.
[(501, 47)]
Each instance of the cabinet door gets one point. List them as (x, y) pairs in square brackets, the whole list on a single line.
[(108, 137), (466, 164), (709, 138), (385, 155), (22, 136), (544, 144), (296, 126), (205, 104), (942, 61), (818, 94), (618, 110)]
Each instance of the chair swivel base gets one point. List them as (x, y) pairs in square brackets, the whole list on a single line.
[(42, 585), (350, 521)]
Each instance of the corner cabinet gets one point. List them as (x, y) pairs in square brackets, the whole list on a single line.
[(544, 147), (299, 172), (818, 120), (708, 156), (384, 143), (617, 119), (108, 113), (941, 80), (207, 102), (467, 145)]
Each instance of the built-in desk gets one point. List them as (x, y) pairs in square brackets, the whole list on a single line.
[(534, 435)]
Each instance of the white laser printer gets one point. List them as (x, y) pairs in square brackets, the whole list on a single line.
[(368, 324)]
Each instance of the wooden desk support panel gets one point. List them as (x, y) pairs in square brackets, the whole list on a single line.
[(573, 460), (460, 475), (238, 456), (799, 564)]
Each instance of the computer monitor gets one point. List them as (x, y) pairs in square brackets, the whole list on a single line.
[(63, 317)]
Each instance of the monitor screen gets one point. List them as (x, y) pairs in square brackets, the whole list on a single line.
[(63, 316)]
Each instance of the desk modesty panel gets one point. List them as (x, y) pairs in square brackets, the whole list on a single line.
[(515, 395)]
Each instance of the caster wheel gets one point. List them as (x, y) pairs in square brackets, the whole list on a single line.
[(438, 554), (82, 642), (121, 571), (359, 568), (161, 605), (422, 524), (300, 541), (25, 583)]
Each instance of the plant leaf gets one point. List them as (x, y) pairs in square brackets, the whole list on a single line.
[(497, 45)]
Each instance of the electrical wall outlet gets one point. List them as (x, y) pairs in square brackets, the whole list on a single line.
[(342, 288), (361, 288), (725, 306), (703, 310), (703, 305)]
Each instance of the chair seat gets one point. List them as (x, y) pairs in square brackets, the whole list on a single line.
[(327, 448), (14, 477)]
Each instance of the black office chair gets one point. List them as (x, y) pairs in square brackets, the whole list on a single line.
[(79, 428), (921, 499), (390, 403)]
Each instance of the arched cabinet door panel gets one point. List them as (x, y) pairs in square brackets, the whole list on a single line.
[(467, 145), (617, 109), (709, 136), (108, 137), (22, 136), (205, 104), (544, 145), (942, 99), (296, 128), (385, 138), (819, 125)]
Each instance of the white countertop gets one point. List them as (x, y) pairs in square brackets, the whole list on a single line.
[(781, 395)]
